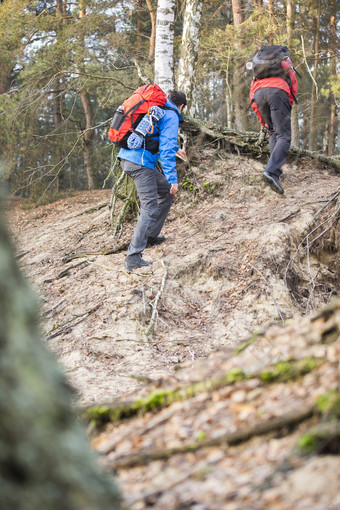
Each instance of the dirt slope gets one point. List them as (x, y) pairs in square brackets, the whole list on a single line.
[(231, 255), (238, 259), (253, 429)]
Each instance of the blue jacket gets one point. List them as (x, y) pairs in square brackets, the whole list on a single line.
[(167, 128)]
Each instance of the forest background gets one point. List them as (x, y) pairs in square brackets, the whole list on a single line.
[(65, 66)]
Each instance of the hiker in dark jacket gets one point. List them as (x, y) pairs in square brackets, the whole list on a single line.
[(272, 99), (155, 190)]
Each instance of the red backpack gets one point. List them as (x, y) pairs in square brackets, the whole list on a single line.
[(132, 110)]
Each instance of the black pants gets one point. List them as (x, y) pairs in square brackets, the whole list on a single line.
[(275, 109)]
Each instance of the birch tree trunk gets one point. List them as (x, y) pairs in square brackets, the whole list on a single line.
[(313, 125), (164, 47), (240, 93), (332, 72), (290, 29), (186, 81)]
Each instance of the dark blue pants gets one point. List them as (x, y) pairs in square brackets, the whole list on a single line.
[(275, 108), (155, 201)]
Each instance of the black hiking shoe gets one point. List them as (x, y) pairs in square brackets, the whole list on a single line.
[(135, 261), (274, 182), (155, 241)]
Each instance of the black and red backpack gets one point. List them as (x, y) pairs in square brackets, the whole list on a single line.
[(267, 62)]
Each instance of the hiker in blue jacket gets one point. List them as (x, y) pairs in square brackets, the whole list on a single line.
[(155, 190)]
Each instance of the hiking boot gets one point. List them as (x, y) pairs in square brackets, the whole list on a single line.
[(135, 261), (274, 182), (155, 241)]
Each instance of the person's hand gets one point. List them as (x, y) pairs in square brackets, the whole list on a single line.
[(174, 188), (286, 64), (181, 153)]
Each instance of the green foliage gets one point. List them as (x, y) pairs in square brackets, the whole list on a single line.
[(308, 443), (246, 344), (189, 185), (289, 370), (209, 188), (48, 58), (329, 403)]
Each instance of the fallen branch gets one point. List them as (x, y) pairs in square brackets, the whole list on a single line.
[(22, 254), (146, 332), (66, 271), (80, 255), (289, 215), (93, 209), (53, 308), (59, 328)]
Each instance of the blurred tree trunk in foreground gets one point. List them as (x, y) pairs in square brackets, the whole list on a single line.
[(45, 461)]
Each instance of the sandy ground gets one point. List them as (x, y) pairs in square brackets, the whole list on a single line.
[(238, 260), (235, 260)]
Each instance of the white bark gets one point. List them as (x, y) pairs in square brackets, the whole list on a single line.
[(189, 53), (164, 48)]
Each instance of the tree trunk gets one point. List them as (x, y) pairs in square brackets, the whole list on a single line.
[(57, 98), (238, 12), (189, 53), (290, 31), (5, 78), (313, 123), (46, 462), (271, 16), (164, 48), (88, 138), (332, 73), (152, 12), (139, 27), (88, 133), (240, 92)]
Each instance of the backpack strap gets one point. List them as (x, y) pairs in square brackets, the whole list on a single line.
[(289, 81), (174, 110), (133, 109)]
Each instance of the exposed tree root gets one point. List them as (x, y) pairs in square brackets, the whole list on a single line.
[(270, 426), (251, 142), (280, 372)]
